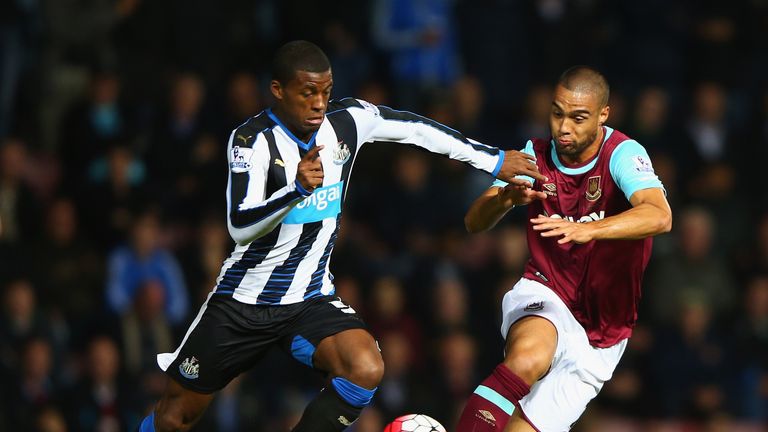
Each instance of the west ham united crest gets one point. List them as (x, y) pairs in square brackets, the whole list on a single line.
[(549, 189), (594, 191)]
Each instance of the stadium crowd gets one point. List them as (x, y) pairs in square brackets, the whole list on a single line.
[(114, 116)]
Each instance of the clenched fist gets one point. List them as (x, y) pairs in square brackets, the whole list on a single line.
[(309, 172)]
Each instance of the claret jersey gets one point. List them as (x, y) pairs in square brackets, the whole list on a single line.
[(284, 234), (599, 281)]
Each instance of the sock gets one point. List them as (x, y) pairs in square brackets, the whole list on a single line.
[(336, 407), (148, 424), (492, 403)]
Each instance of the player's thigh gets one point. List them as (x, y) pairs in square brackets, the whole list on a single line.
[(180, 406), (530, 347), (331, 337), (225, 339)]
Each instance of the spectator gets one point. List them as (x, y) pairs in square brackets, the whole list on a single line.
[(420, 39), (102, 401), (694, 268), (142, 260), (688, 364), (120, 193), (34, 387), (19, 209), (68, 268), (751, 334), (145, 330), (20, 321)]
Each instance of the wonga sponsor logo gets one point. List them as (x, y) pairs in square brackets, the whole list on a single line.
[(325, 202)]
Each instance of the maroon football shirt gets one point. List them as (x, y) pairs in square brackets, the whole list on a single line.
[(599, 281)]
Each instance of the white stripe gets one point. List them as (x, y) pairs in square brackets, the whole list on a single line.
[(256, 278), (166, 359), (309, 264)]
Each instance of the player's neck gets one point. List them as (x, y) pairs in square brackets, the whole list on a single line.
[(589, 152)]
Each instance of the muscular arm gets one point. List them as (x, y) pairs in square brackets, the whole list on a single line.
[(494, 203), (650, 215), (383, 124)]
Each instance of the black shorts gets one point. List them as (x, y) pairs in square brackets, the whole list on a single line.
[(228, 337)]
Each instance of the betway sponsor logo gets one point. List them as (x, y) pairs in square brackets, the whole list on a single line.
[(588, 218)]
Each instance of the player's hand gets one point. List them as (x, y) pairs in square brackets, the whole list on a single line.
[(514, 195), (574, 232), (519, 164), (309, 172)]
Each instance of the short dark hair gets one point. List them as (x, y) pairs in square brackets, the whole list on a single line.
[(585, 78), (298, 55)]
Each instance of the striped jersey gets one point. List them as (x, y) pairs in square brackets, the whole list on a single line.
[(285, 235)]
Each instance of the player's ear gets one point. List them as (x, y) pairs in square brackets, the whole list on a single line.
[(604, 113), (277, 89)]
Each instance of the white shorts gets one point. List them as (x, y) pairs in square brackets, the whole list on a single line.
[(578, 370)]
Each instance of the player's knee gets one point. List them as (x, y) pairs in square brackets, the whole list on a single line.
[(367, 370), (529, 363), (171, 422)]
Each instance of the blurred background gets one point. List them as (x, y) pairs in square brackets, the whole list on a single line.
[(114, 116)]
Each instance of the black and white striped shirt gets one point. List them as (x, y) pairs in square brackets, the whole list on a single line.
[(284, 234)]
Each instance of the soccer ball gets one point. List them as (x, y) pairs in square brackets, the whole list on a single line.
[(414, 423)]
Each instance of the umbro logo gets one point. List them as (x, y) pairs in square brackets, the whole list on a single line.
[(486, 416)]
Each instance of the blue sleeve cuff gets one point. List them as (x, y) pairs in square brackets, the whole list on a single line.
[(498, 164), (301, 189)]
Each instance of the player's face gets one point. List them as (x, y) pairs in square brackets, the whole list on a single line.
[(302, 101), (576, 120)]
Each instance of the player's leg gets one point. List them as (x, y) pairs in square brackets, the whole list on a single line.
[(354, 364), (353, 355), (178, 410), (530, 349), (225, 339), (333, 339)]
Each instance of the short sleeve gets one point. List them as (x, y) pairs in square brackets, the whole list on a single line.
[(632, 170)]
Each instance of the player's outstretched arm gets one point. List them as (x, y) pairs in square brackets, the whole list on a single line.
[(650, 215), (494, 203), (384, 124)]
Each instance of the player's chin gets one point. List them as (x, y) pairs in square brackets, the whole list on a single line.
[(309, 129)]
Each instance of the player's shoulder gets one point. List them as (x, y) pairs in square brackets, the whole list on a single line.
[(247, 133), (538, 145), (620, 144), (616, 135), (350, 103)]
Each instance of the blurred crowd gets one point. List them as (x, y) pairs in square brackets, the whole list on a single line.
[(114, 116)]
